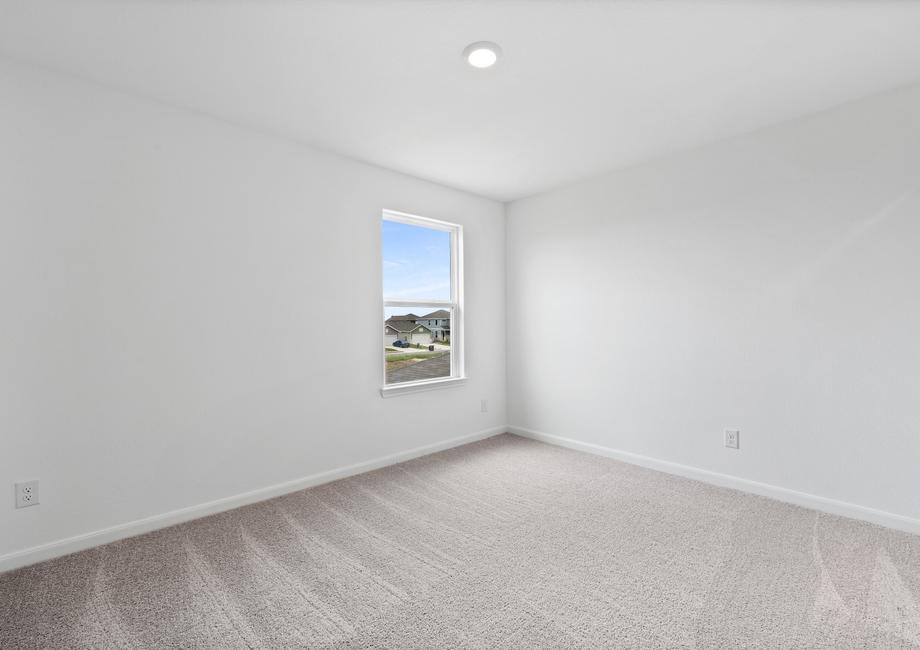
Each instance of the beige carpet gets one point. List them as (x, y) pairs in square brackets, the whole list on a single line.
[(505, 543)]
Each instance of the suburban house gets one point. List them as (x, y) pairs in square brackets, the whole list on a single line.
[(418, 329), (399, 328), (439, 324)]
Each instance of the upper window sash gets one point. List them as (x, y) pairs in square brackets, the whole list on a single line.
[(456, 257)]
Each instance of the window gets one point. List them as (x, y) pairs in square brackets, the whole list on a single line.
[(422, 303)]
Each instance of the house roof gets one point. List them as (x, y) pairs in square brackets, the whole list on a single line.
[(441, 313), (400, 324)]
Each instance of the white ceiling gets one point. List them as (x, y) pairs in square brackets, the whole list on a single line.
[(582, 87)]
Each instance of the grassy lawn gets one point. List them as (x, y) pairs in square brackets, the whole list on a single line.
[(402, 360)]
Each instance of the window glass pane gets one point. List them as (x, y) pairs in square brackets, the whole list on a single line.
[(416, 343), (416, 262)]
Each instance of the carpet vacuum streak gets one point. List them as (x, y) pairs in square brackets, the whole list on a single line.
[(504, 543)]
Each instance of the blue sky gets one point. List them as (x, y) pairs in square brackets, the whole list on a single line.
[(416, 262)]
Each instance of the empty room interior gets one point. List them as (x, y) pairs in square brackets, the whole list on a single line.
[(424, 324)]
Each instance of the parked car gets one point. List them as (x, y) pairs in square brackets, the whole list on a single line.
[(400, 344)]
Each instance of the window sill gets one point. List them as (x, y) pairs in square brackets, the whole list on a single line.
[(421, 386)]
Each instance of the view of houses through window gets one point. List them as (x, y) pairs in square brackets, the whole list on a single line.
[(419, 300), (417, 346)]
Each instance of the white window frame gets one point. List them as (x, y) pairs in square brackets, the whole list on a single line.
[(454, 305)]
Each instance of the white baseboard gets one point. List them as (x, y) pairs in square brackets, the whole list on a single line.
[(69, 545), (823, 504)]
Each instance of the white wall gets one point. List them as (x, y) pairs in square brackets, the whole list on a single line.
[(769, 282), (166, 279)]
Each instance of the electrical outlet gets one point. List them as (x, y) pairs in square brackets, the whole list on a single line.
[(731, 438), (484, 406), (26, 494)]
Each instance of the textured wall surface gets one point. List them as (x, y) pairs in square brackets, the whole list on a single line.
[(768, 283), (169, 283)]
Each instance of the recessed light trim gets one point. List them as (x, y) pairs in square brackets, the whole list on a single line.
[(482, 54)]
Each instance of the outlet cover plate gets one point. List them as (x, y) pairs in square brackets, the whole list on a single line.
[(732, 438), (26, 494)]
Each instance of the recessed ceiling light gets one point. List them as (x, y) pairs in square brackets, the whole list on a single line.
[(482, 54)]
